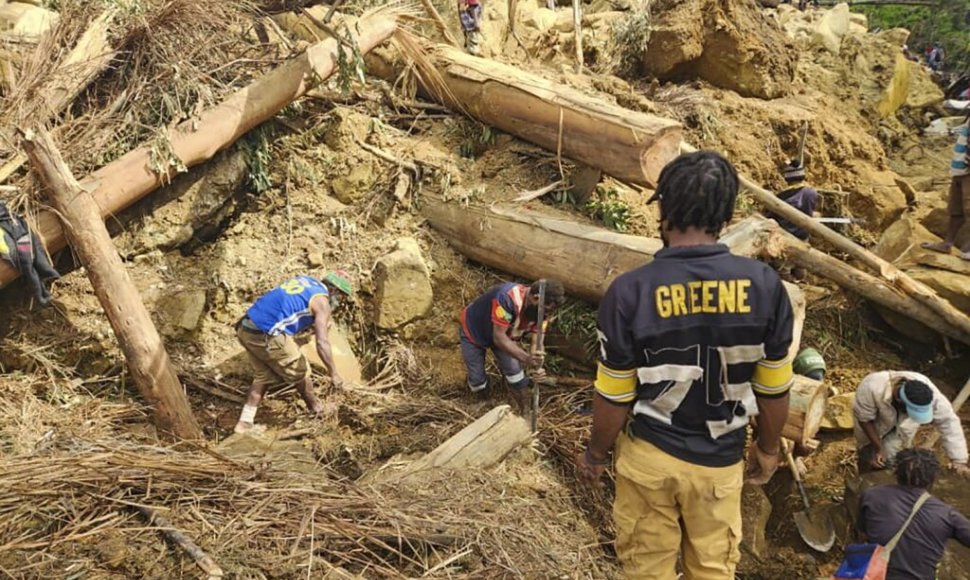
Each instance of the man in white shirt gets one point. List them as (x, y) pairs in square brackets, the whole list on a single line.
[(889, 408)]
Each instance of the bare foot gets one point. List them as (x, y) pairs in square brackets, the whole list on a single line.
[(942, 247), (964, 255)]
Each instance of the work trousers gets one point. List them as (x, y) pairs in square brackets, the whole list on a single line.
[(665, 506)]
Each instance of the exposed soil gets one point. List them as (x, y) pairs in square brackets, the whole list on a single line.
[(201, 259)]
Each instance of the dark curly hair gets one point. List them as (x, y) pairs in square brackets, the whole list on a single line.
[(917, 467), (697, 190), (555, 293)]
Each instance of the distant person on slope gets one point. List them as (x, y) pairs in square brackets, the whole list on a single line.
[(959, 192), (470, 15), (798, 195), (266, 332), (496, 320), (888, 409), (883, 512)]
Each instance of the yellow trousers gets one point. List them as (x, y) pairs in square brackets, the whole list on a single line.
[(665, 506)]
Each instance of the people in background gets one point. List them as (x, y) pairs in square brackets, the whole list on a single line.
[(888, 409), (470, 15), (959, 192)]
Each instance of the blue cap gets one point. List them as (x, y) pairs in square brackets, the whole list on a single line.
[(920, 414)]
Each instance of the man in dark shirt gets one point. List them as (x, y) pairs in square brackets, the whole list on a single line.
[(883, 509), (694, 344), (496, 320)]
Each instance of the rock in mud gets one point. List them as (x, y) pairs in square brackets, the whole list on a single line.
[(729, 43), (831, 28), (838, 413), (350, 188), (181, 312), (193, 204), (403, 283)]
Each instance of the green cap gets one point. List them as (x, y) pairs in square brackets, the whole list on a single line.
[(341, 281), (809, 362)]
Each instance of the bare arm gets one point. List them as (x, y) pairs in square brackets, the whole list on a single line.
[(869, 428), (505, 343), (608, 420), (321, 331), (772, 414)]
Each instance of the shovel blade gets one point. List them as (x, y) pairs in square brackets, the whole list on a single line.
[(816, 529)]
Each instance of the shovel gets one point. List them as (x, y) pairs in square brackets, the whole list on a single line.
[(815, 528)]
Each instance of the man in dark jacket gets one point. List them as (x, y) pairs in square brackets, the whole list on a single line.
[(884, 509)]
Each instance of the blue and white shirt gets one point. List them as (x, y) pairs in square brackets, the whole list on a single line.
[(286, 308), (958, 167)]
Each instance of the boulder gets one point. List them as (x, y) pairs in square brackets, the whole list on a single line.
[(192, 206), (343, 356), (877, 197), (344, 127), (181, 312), (26, 20), (903, 237), (729, 43), (403, 282), (897, 91), (831, 28), (542, 19), (923, 91), (838, 413), (952, 286), (354, 185), (859, 19)]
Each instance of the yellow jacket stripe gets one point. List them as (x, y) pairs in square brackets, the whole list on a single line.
[(619, 386), (772, 378)]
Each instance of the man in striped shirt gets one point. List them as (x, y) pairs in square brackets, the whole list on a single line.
[(959, 192), (267, 330), (694, 344)]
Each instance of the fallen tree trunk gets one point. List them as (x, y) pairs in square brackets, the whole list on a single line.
[(147, 359), (587, 258), (125, 180), (480, 445), (628, 145)]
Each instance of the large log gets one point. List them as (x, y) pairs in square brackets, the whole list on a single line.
[(587, 258), (125, 180), (628, 145), (147, 359)]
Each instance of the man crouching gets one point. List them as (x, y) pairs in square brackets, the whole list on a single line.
[(267, 330)]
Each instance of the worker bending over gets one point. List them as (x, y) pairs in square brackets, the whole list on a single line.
[(694, 344), (496, 320), (888, 409), (266, 332), (883, 512)]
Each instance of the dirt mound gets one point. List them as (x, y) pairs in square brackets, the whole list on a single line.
[(730, 44)]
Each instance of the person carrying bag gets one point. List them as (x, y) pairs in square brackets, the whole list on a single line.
[(871, 561)]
